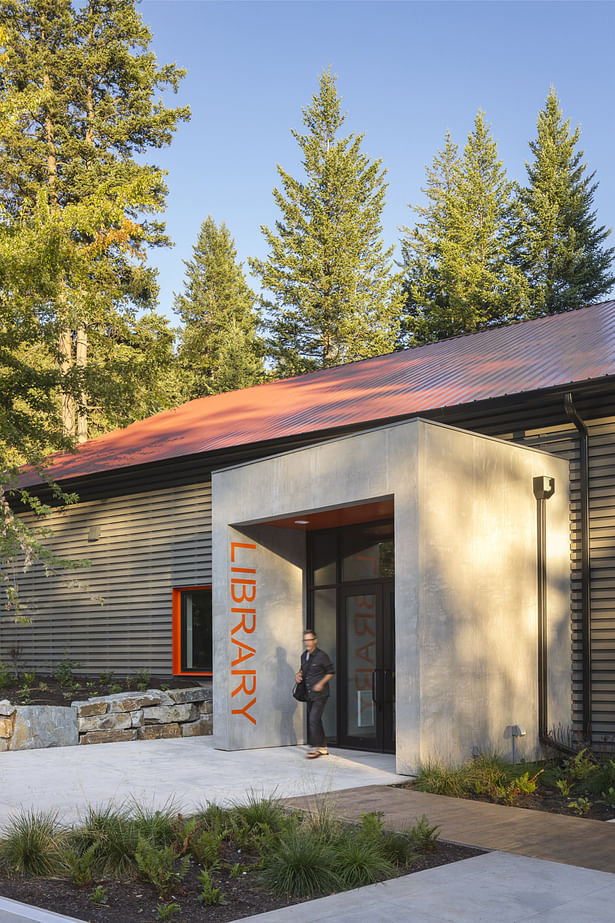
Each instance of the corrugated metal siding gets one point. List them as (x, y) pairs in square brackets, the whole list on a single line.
[(602, 550), (565, 443), (149, 543)]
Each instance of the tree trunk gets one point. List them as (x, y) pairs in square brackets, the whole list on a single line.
[(81, 359), (68, 402)]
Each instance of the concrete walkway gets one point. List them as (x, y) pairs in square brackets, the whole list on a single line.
[(514, 883), (187, 772)]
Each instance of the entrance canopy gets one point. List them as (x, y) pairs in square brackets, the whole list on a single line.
[(466, 606)]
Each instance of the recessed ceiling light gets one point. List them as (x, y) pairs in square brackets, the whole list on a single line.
[(302, 522)]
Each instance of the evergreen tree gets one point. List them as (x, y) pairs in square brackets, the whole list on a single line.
[(459, 271), (335, 297), (77, 87), (219, 349), (560, 248)]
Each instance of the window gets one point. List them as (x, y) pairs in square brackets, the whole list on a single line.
[(192, 648)]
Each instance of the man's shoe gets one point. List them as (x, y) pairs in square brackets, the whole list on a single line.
[(313, 754)]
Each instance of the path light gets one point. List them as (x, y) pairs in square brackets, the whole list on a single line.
[(513, 731)]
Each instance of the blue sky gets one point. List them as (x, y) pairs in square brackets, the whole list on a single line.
[(407, 73)]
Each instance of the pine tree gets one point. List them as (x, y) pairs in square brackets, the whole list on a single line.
[(219, 349), (77, 87), (335, 297), (425, 252), (560, 247), (459, 271)]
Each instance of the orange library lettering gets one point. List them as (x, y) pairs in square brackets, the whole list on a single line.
[(243, 613)]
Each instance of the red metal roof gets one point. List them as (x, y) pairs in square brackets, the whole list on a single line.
[(519, 358)]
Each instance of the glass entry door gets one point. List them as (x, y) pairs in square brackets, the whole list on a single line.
[(366, 671), (352, 580)]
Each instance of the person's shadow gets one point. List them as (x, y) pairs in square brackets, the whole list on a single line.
[(283, 700)]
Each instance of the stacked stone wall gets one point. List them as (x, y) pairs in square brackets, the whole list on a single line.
[(125, 716)]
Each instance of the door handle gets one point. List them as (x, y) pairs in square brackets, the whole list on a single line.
[(374, 697)]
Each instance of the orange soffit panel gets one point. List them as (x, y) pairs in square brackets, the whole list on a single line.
[(529, 356)]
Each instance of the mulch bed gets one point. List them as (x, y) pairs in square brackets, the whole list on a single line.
[(132, 901), (544, 799), (552, 802), (46, 690)]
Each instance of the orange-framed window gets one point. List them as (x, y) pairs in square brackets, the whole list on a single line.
[(192, 631)]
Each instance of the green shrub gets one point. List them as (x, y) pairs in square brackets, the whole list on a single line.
[(63, 673), (438, 779), (399, 849), (580, 806), (115, 835), (142, 680), (209, 894), (609, 797), (216, 819), (320, 822), (580, 766), (361, 860), (33, 843), (167, 911), (486, 774), (601, 779), (300, 865), (423, 836), (160, 867), (81, 865), (99, 895), (6, 677), (260, 813), (156, 825)]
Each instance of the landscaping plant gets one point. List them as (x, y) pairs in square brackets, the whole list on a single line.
[(33, 844), (160, 867)]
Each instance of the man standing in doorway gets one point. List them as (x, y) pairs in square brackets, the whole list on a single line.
[(316, 670)]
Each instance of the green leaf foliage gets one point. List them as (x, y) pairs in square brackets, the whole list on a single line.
[(459, 271), (334, 295), (78, 202), (219, 347), (560, 247)]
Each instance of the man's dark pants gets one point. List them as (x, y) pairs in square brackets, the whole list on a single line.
[(315, 708)]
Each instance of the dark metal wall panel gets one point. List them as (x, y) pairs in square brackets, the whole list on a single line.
[(149, 543), (602, 551), (565, 443)]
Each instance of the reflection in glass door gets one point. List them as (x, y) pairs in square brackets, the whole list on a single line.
[(366, 684), (351, 595), (359, 669)]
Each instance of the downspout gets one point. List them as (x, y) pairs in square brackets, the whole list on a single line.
[(544, 488), (586, 635)]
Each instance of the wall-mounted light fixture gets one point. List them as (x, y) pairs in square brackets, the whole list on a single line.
[(94, 534)]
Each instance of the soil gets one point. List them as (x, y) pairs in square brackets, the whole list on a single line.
[(35, 689), (547, 799), (551, 801), (135, 901)]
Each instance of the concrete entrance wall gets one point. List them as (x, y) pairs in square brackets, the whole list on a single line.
[(465, 586)]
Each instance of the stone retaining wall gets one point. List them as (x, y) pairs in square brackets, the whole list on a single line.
[(126, 716)]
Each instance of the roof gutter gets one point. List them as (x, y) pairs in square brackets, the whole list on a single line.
[(571, 413)]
